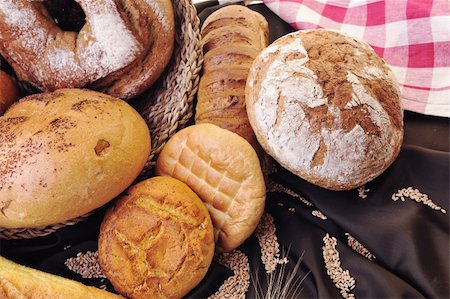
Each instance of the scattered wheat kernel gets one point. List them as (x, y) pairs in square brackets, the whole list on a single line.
[(319, 214), (358, 247), (236, 286), (340, 277), (267, 238), (416, 195), (85, 264)]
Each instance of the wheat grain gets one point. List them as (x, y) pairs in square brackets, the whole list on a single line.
[(358, 247), (416, 195), (340, 277), (85, 264), (236, 286)]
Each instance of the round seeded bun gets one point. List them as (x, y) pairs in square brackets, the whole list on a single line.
[(224, 170), (66, 153), (170, 246), (326, 107)]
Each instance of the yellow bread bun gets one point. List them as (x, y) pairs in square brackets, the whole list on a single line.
[(9, 92), (224, 170), (17, 281), (66, 153), (157, 241)]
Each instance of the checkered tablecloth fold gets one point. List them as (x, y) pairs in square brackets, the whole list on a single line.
[(412, 36)]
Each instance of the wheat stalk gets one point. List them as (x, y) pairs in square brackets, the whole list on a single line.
[(281, 284)]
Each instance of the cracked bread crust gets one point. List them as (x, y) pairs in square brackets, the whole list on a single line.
[(326, 107), (157, 241)]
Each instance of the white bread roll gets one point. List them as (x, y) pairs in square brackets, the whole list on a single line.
[(66, 153), (326, 107), (224, 170)]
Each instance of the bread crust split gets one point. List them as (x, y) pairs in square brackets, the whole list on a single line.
[(157, 241)]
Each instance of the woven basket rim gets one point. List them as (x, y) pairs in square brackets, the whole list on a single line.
[(166, 107)]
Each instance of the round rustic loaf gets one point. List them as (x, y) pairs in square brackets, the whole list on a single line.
[(66, 153), (224, 170), (326, 107), (9, 92), (157, 241)]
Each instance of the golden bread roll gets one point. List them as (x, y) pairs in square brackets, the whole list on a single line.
[(157, 241), (224, 170), (232, 37), (326, 107), (66, 153), (17, 281), (121, 49), (9, 92)]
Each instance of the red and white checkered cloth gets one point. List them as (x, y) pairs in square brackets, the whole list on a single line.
[(413, 37)]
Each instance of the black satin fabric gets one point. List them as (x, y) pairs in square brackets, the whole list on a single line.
[(409, 240)]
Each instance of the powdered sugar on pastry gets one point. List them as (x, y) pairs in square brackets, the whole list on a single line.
[(328, 132)]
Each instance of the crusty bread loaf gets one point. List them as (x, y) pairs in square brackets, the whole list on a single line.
[(9, 92), (122, 48), (326, 107), (17, 281), (157, 241), (232, 37), (224, 170), (66, 153)]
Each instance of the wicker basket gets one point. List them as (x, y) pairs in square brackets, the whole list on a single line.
[(166, 108)]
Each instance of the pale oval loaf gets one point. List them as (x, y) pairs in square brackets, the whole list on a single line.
[(157, 241), (326, 107), (224, 170), (66, 153)]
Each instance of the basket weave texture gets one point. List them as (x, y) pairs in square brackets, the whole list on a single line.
[(166, 107)]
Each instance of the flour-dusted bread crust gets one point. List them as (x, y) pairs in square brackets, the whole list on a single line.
[(326, 107), (157, 241), (122, 49), (66, 153), (224, 170)]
